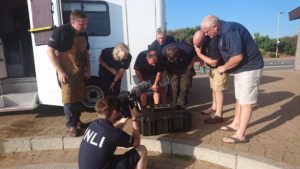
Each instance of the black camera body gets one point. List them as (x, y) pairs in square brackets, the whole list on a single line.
[(124, 101), (131, 99)]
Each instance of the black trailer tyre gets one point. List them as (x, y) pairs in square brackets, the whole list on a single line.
[(94, 92)]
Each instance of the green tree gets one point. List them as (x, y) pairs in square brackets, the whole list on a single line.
[(184, 34)]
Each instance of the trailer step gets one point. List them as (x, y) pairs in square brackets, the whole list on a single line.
[(18, 102)]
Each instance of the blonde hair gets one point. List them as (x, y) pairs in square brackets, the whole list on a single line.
[(120, 51)]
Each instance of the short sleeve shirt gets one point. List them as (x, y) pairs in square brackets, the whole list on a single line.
[(212, 51), (62, 38), (156, 46), (142, 65), (235, 39), (99, 143), (107, 57), (179, 66)]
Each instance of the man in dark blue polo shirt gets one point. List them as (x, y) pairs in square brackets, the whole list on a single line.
[(149, 66), (162, 39), (101, 138), (179, 58), (112, 64), (243, 59), (68, 50)]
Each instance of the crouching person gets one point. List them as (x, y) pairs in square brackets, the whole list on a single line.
[(105, 134), (149, 66)]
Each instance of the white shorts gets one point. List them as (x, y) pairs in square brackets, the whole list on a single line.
[(246, 86)]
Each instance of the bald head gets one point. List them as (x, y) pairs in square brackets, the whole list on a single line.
[(198, 38)]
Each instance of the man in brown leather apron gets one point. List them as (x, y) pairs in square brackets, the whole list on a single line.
[(68, 50)]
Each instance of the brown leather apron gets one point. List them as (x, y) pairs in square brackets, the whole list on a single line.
[(73, 62)]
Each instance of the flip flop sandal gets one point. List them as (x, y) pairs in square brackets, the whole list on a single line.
[(227, 128), (234, 140)]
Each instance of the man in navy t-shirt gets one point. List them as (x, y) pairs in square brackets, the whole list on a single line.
[(149, 66), (101, 138), (179, 58), (243, 59)]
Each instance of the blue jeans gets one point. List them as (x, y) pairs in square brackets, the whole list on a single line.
[(72, 113)]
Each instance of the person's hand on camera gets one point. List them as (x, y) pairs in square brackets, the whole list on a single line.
[(134, 113)]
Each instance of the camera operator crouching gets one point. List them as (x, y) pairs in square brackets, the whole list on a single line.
[(149, 66), (101, 138)]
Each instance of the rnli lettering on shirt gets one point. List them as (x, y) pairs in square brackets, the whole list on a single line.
[(89, 137)]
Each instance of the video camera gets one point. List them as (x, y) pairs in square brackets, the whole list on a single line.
[(126, 99)]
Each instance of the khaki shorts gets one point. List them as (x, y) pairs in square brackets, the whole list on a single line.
[(246, 86), (218, 81)]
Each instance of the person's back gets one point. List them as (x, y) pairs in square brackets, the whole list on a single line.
[(101, 138), (99, 144)]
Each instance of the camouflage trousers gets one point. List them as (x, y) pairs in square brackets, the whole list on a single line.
[(180, 87)]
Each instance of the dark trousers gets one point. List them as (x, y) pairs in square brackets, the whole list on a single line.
[(72, 113), (180, 86), (105, 82)]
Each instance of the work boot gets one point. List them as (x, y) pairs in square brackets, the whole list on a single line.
[(73, 132)]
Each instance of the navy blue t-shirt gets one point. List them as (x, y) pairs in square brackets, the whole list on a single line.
[(99, 143), (180, 65), (156, 46), (142, 65), (107, 57), (235, 39), (210, 49), (62, 38)]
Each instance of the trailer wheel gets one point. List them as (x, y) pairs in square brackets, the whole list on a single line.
[(94, 93)]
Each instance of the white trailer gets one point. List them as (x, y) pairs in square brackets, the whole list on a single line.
[(133, 22)]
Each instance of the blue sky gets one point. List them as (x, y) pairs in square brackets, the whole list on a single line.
[(256, 15)]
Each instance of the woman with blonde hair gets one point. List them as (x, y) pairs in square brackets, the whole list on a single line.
[(112, 64)]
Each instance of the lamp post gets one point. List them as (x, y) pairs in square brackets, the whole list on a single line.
[(277, 41)]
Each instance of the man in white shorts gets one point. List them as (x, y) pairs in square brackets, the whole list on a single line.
[(243, 59)]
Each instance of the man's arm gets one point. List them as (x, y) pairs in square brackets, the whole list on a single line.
[(231, 63), (155, 85), (206, 59), (62, 76)]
